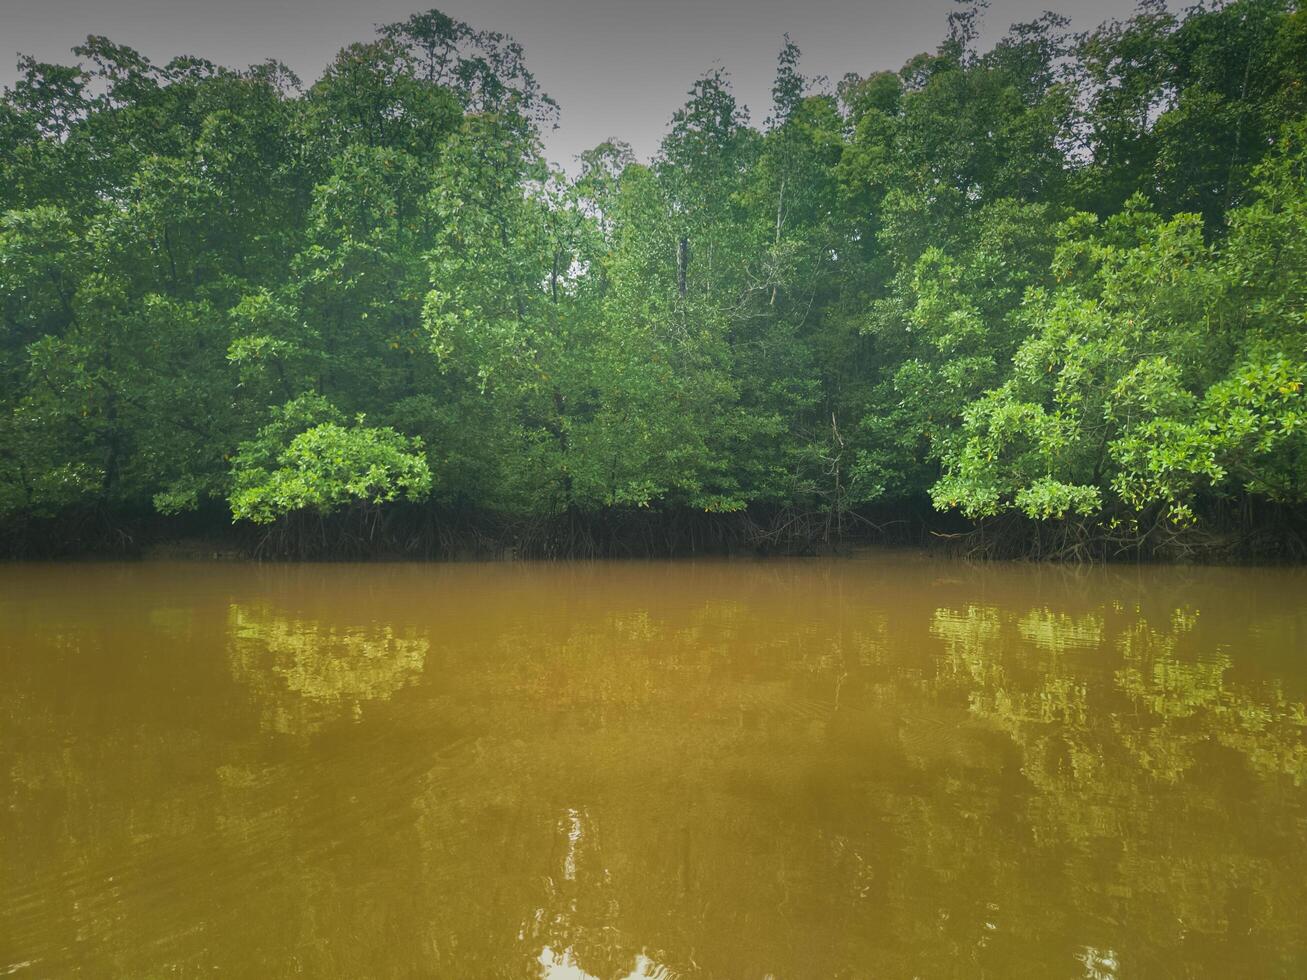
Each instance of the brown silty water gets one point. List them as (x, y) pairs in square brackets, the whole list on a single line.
[(884, 766)]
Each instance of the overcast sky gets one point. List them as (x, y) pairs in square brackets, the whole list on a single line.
[(618, 67)]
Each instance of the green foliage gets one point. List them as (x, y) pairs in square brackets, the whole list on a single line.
[(1061, 278), (324, 467), (1158, 369)]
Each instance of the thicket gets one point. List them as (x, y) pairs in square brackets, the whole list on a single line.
[(1056, 290)]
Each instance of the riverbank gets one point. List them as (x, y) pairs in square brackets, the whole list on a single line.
[(1234, 536)]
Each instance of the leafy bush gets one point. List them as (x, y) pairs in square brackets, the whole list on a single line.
[(325, 468)]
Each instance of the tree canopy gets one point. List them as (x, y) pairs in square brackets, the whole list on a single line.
[(1058, 283)]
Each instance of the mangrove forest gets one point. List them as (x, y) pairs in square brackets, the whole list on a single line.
[(1042, 297)]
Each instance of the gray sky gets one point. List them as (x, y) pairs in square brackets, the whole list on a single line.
[(617, 67)]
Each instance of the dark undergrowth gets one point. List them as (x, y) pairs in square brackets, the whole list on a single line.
[(1227, 532), (427, 533)]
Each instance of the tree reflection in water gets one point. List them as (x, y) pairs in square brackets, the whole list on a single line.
[(308, 672)]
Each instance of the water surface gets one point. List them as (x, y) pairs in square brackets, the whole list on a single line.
[(882, 767)]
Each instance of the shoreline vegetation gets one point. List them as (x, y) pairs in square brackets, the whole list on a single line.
[(1042, 300), (414, 532)]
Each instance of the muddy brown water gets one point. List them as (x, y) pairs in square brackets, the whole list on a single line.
[(887, 766)]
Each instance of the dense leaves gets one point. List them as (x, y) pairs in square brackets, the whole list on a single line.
[(1061, 280)]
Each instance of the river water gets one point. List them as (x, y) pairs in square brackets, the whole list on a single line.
[(886, 766)]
